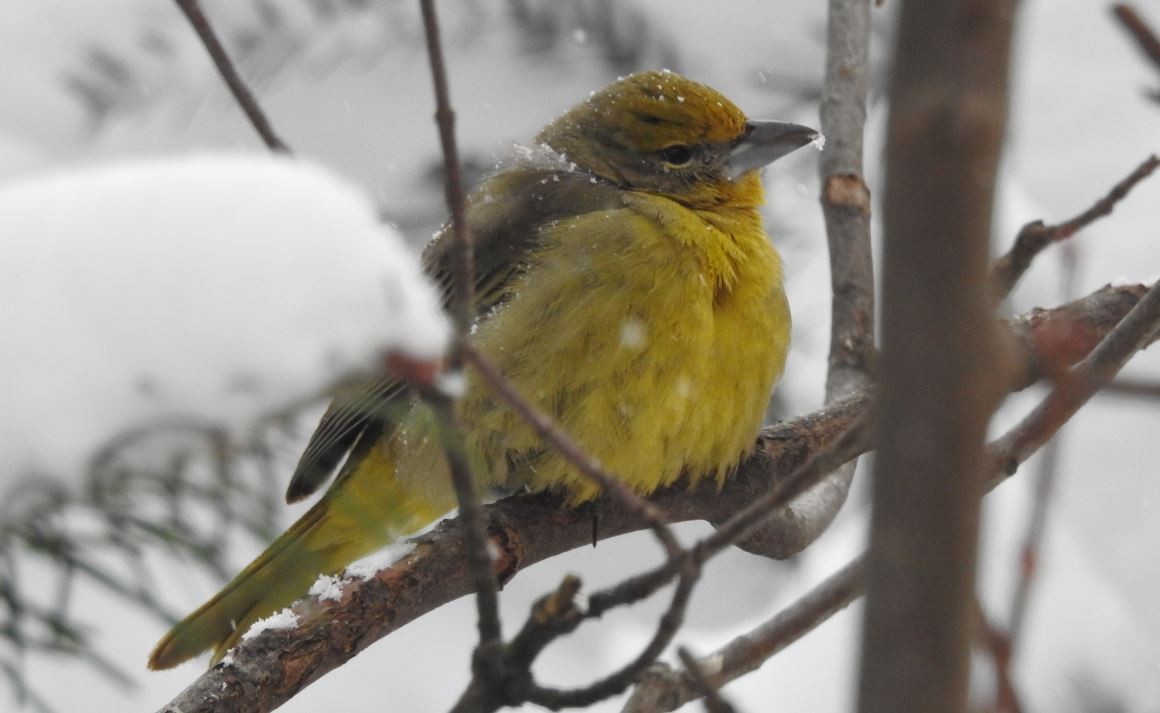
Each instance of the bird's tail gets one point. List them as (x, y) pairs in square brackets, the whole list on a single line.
[(370, 507)]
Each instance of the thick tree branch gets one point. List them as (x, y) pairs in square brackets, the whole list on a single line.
[(940, 362), (268, 669)]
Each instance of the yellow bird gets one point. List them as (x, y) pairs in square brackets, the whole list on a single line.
[(626, 286)]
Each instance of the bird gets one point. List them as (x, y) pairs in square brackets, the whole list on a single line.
[(625, 285)]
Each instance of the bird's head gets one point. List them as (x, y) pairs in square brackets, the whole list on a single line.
[(662, 133)]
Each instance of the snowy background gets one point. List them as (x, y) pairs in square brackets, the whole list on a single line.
[(347, 86)]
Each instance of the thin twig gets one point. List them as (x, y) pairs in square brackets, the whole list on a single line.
[(999, 645), (1145, 37), (616, 682), (466, 489), (1035, 236), (547, 429), (479, 560), (225, 67), (463, 251), (1044, 487), (668, 690)]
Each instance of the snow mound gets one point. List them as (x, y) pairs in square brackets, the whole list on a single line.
[(214, 289)]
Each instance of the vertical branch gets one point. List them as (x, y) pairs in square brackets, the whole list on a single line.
[(221, 60), (463, 251), (846, 205), (938, 382), (846, 200), (466, 491)]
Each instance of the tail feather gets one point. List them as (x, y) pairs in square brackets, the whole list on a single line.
[(369, 508)]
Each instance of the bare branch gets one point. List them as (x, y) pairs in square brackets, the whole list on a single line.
[(466, 489), (999, 646), (1035, 236), (615, 683), (1144, 36), (940, 361), (845, 203), (463, 250), (1004, 643), (1135, 331), (233, 80), (663, 689)]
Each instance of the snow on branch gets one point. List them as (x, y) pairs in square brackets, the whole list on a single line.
[(218, 289)]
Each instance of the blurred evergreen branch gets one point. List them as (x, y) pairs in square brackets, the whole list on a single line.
[(108, 532)]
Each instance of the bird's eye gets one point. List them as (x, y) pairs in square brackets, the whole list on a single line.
[(677, 154)]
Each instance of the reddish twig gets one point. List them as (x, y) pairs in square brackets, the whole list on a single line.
[(229, 74), (999, 645), (1035, 236)]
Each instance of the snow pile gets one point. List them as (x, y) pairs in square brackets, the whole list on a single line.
[(214, 289)]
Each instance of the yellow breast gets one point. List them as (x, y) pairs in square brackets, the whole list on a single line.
[(652, 333)]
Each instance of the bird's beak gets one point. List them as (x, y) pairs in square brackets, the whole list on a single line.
[(765, 142)]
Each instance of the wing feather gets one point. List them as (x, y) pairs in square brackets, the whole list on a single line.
[(505, 215)]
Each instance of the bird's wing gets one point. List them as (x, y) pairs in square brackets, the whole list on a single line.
[(505, 215)]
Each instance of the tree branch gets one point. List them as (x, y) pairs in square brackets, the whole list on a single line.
[(268, 669), (845, 203), (1035, 236), (229, 74), (462, 309), (940, 362), (1142, 33)]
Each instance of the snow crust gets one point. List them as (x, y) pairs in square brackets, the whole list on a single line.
[(281, 619), (210, 289)]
